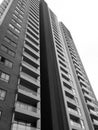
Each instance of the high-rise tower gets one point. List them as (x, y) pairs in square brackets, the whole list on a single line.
[(43, 84)]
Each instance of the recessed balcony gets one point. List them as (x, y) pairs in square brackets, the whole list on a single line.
[(29, 94), (22, 126), (31, 68), (30, 72), (28, 110), (86, 89), (32, 39), (31, 51), (95, 122), (83, 82), (30, 60), (94, 114), (32, 81), (89, 97), (32, 44), (73, 111)]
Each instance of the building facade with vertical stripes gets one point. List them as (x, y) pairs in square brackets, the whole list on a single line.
[(43, 84)]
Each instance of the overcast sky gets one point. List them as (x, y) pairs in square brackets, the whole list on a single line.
[(81, 18)]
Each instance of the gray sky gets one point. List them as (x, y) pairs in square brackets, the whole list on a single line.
[(81, 18)]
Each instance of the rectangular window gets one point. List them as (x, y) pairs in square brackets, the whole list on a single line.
[(8, 40), (14, 28), (5, 62), (12, 34), (2, 95), (5, 49), (15, 16), (15, 22), (11, 53), (5, 77)]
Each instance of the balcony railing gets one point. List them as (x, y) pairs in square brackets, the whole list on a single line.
[(30, 67), (75, 124), (26, 107), (32, 50), (31, 58), (90, 103), (73, 111), (94, 113), (90, 97), (95, 121), (29, 91), (21, 126), (30, 79)]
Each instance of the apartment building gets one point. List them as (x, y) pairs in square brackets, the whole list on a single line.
[(43, 84)]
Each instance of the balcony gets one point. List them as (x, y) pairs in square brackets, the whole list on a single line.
[(95, 122), (94, 113), (91, 104), (33, 16), (32, 95), (86, 89), (76, 122), (21, 126), (27, 110), (33, 28), (33, 23), (82, 77), (31, 60), (32, 39), (31, 32), (33, 19), (31, 68), (77, 125), (32, 45), (30, 79), (89, 97), (30, 72), (73, 111), (83, 82), (32, 51)]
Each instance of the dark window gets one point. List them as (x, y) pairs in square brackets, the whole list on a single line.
[(6, 62)]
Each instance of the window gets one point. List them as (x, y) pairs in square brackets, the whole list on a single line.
[(8, 63), (5, 49), (18, 25), (15, 16), (11, 53), (12, 34), (15, 22), (11, 26), (3, 76), (7, 40), (18, 31), (5, 62), (14, 28), (2, 95), (12, 43)]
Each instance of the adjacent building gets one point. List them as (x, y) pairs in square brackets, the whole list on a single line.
[(43, 84)]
